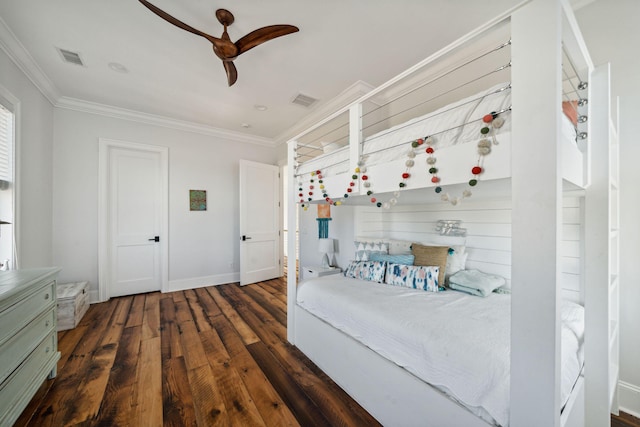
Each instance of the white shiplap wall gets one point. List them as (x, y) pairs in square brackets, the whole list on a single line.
[(488, 240)]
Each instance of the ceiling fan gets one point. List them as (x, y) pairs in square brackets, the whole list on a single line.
[(223, 47)]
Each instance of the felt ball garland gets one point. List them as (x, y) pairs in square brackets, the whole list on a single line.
[(309, 195), (491, 122), (409, 163)]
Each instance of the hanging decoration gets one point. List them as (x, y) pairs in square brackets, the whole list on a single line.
[(308, 194), (324, 216), (491, 122), (409, 163)]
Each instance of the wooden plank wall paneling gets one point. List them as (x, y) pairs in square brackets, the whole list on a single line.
[(488, 241)]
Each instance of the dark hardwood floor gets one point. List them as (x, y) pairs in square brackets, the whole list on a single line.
[(625, 420), (205, 357)]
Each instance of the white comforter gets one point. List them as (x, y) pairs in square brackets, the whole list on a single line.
[(453, 341)]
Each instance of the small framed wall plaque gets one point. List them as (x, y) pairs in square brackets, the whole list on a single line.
[(198, 200)]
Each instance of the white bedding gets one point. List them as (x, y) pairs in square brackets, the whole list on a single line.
[(453, 341), (453, 115)]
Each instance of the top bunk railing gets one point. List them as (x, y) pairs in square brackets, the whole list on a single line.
[(476, 66), (468, 73)]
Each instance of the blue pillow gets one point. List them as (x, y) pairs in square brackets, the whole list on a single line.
[(406, 259)]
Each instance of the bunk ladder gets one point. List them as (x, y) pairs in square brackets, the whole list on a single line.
[(602, 241)]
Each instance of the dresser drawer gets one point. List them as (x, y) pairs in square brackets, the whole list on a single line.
[(20, 345), (16, 391), (16, 316)]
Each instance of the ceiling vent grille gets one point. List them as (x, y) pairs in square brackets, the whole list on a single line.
[(304, 100), (71, 57)]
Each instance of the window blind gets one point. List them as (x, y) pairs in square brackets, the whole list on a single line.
[(6, 144)]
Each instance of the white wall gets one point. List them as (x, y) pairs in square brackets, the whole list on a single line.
[(33, 168), (202, 245), (341, 227), (607, 26)]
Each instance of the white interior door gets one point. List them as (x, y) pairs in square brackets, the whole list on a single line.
[(135, 194), (259, 222)]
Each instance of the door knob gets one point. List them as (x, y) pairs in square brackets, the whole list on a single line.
[(155, 239), (245, 238)]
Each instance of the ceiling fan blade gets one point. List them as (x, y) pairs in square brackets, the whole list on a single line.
[(262, 35), (232, 72), (164, 15)]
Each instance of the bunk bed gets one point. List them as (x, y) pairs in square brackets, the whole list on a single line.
[(508, 122)]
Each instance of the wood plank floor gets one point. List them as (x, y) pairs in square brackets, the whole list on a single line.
[(625, 420), (205, 357)]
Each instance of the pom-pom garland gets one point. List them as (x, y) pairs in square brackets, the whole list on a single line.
[(305, 204), (491, 122)]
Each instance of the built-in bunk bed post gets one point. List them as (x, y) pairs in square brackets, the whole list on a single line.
[(355, 139), (536, 214), (600, 364), (292, 227)]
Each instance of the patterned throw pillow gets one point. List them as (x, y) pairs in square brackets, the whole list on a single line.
[(366, 270), (413, 276), (364, 249)]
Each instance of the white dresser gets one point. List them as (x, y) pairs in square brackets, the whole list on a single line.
[(28, 337)]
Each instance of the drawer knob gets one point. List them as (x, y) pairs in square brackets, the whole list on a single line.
[(47, 350), (46, 323), (46, 296)]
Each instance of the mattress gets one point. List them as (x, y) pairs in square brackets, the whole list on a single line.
[(456, 342), (446, 124)]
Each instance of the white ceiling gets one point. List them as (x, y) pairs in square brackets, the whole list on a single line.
[(343, 47)]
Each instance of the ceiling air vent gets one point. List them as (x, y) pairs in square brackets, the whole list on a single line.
[(304, 100), (71, 57)]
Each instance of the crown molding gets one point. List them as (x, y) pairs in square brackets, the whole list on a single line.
[(157, 120), (346, 97), (20, 56), (579, 4)]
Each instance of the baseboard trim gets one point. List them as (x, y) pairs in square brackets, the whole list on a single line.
[(200, 282), (94, 296), (629, 398), (185, 284)]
